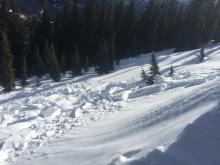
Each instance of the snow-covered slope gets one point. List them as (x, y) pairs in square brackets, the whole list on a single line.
[(199, 144), (112, 119)]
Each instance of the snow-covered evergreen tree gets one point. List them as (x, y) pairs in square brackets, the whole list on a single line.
[(147, 79), (154, 70)]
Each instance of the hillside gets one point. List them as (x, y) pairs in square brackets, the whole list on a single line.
[(115, 119)]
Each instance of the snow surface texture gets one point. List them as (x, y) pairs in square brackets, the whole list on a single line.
[(115, 119)]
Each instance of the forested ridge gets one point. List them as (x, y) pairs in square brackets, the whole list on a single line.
[(97, 34)]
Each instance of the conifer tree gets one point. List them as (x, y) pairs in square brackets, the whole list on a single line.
[(209, 21), (106, 22), (76, 66), (131, 29), (216, 25), (76, 18), (5, 16), (24, 73), (118, 27), (50, 55), (154, 69), (199, 15), (91, 25), (86, 65), (180, 25), (201, 55), (59, 39), (6, 65), (20, 47), (46, 53), (54, 66), (38, 63), (167, 18), (112, 52), (103, 58), (46, 25), (148, 26), (147, 79), (63, 64), (171, 71), (68, 38)]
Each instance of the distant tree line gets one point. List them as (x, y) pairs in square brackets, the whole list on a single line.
[(98, 34)]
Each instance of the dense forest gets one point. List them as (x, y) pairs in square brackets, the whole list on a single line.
[(98, 34)]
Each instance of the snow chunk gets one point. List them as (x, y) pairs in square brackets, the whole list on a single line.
[(126, 95)]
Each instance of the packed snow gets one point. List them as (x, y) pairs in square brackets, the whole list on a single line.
[(115, 119)]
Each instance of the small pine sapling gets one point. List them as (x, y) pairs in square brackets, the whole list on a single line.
[(201, 55), (148, 80), (171, 71)]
